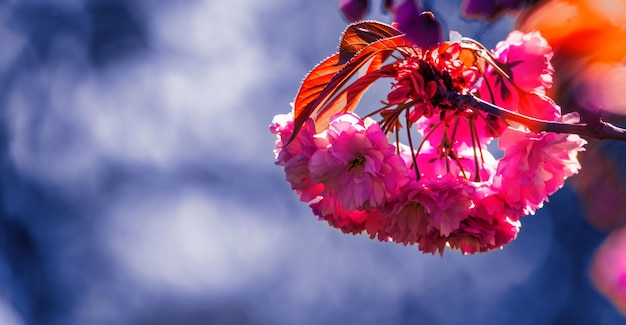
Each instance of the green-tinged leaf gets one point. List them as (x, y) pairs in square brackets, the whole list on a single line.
[(359, 35)]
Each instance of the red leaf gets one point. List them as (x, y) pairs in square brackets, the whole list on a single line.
[(382, 47), (319, 84), (314, 83), (361, 34), (347, 99)]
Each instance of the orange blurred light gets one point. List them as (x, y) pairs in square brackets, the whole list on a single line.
[(595, 30)]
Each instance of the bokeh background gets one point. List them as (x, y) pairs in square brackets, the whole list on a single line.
[(138, 184)]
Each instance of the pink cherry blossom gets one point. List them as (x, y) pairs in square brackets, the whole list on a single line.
[(449, 212), (356, 163), (296, 155), (446, 57), (477, 235), (445, 189), (404, 152), (298, 175), (348, 221), (493, 223), (410, 85), (535, 165), (429, 207), (407, 218), (490, 224), (282, 126), (448, 202), (526, 59)]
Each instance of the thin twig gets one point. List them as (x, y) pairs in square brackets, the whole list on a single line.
[(595, 128)]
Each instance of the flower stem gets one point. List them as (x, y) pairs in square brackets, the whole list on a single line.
[(413, 155), (474, 137)]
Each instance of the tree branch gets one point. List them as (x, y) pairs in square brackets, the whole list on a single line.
[(595, 127)]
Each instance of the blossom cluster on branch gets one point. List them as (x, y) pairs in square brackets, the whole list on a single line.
[(443, 188)]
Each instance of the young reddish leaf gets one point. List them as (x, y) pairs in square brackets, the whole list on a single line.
[(347, 100), (381, 47), (319, 83), (360, 34), (314, 82), (312, 85)]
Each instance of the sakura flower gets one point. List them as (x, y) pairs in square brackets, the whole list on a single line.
[(428, 208), (427, 79), (356, 163), (450, 213), (535, 165), (490, 224), (296, 155), (407, 218), (404, 152), (444, 189), (447, 57), (298, 175), (282, 126), (477, 235), (350, 222), (490, 205), (525, 58), (448, 203), (410, 85), (493, 223)]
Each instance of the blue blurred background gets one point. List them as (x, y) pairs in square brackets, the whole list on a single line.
[(138, 184)]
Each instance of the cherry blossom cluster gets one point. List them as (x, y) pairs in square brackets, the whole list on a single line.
[(443, 188)]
